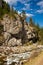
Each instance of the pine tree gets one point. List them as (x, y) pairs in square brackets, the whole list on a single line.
[(4, 8), (31, 22)]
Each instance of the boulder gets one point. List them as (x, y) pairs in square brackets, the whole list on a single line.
[(7, 37), (14, 42), (19, 42)]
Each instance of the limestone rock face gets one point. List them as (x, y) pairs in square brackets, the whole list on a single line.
[(17, 32), (10, 25)]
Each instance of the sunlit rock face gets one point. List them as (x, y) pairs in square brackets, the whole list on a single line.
[(11, 30), (14, 42), (17, 29), (10, 25)]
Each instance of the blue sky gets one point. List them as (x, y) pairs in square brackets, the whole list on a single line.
[(33, 8)]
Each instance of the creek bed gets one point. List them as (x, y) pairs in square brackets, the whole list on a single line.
[(19, 58)]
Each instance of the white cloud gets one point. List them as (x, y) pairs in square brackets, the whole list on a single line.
[(40, 4), (40, 11), (41, 7), (23, 8), (26, 7), (7, 0), (14, 1), (29, 15), (31, 9), (11, 2), (25, 2), (19, 12)]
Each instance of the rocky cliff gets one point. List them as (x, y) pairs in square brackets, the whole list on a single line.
[(17, 32)]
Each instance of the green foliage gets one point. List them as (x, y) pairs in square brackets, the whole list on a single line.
[(41, 33), (1, 12), (4, 8), (1, 28), (31, 22), (37, 29)]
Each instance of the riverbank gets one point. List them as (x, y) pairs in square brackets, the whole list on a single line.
[(19, 54), (36, 61)]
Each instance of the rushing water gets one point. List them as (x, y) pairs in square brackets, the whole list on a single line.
[(18, 57)]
